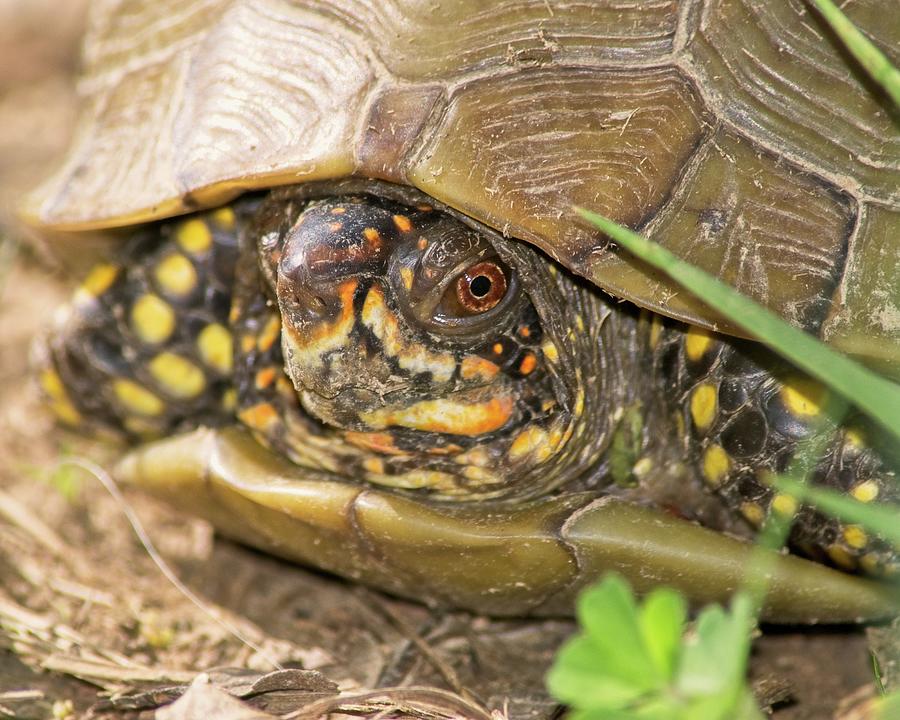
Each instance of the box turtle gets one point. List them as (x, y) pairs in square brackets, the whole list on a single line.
[(354, 322)]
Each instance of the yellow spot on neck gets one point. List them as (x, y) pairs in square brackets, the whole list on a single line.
[(703, 406), (803, 396), (270, 333), (98, 281), (417, 479), (141, 427), (870, 563), (855, 437), (445, 416), (696, 342), (52, 384), (262, 417), (194, 236), (176, 275), (784, 504), (178, 376), (550, 351), (265, 377), (841, 557), (865, 491), (531, 441), (753, 512), (528, 364), (224, 218), (406, 275), (480, 476), (216, 348), (476, 456), (152, 319), (855, 536), (716, 465), (374, 465), (65, 411), (137, 399), (579, 403), (229, 399), (403, 223)]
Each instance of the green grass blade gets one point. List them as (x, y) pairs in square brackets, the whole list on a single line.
[(875, 395), (870, 57), (883, 518)]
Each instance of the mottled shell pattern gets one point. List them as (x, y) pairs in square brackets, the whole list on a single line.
[(736, 132)]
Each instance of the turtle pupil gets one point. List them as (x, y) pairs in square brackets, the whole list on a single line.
[(480, 286)]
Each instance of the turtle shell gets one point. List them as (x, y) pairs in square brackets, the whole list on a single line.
[(738, 133)]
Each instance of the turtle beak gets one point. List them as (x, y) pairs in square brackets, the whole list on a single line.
[(322, 276)]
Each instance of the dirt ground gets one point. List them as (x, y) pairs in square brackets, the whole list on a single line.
[(90, 624)]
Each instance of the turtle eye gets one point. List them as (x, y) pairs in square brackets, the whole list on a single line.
[(480, 287), (475, 291)]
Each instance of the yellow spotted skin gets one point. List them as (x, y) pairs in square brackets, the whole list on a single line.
[(152, 347), (341, 370), (743, 413)]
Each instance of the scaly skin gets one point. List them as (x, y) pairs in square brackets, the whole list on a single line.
[(357, 346)]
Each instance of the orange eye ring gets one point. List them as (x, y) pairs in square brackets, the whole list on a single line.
[(481, 286)]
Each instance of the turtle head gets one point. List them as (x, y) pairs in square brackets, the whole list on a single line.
[(440, 351)]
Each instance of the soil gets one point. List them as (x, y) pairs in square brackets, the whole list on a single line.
[(88, 619)]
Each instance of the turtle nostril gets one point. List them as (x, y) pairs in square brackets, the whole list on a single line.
[(309, 307)]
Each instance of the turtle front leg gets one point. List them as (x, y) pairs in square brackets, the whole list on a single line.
[(743, 413), (497, 558), (145, 347)]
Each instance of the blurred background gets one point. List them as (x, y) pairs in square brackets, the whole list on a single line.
[(39, 46)]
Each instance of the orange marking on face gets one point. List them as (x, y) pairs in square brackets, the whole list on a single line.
[(422, 244), (473, 367), (378, 442), (413, 357), (446, 416), (525, 331), (335, 226), (451, 449), (339, 327), (338, 210), (424, 207), (372, 235), (498, 348), (403, 223), (528, 364), (265, 377), (262, 416)]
